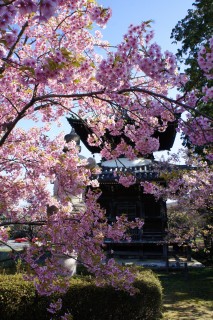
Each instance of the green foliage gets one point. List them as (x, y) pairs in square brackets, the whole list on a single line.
[(16, 297), (195, 28), (84, 300), (93, 302), (193, 31)]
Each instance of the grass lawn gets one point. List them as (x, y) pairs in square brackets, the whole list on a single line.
[(188, 296)]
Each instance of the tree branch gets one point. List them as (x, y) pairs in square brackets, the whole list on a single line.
[(2, 69)]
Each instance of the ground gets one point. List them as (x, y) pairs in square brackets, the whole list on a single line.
[(188, 293), (188, 296)]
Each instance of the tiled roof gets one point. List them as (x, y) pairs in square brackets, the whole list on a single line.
[(111, 174)]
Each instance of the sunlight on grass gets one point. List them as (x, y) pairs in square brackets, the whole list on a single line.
[(188, 309), (181, 294), (188, 299)]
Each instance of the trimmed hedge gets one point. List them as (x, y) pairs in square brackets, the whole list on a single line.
[(85, 301)]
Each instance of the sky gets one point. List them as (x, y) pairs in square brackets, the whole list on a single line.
[(164, 13)]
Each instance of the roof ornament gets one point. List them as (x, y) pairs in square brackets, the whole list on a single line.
[(91, 163), (72, 136)]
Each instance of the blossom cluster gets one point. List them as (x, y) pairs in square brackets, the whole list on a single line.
[(4, 236), (42, 10), (137, 51), (127, 180), (100, 15), (199, 130), (205, 59)]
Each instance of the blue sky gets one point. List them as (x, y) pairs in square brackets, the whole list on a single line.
[(165, 13)]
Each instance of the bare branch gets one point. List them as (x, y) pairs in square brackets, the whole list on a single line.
[(14, 45)]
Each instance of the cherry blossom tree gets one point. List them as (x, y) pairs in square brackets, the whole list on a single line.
[(51, 67)]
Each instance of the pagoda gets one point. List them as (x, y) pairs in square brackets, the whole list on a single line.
[(148, 242)]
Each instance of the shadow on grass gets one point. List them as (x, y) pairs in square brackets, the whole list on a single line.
[(188, 296)]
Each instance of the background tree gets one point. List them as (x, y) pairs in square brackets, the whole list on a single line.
[(193, 33)]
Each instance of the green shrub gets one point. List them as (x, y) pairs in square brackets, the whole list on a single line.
[(18, 299), (85, 301), (15, 296), (106, 303)]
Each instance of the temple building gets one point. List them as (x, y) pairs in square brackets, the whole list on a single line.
[(149, 242)]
